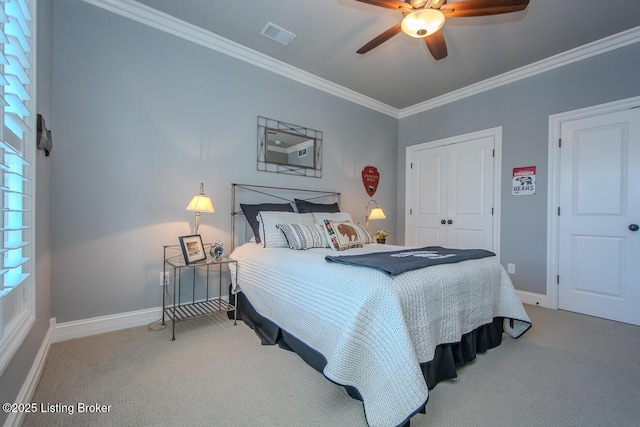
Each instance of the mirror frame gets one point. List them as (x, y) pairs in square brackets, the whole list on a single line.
[(264, 164)]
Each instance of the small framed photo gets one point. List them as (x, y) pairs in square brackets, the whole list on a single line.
[(192, 248)]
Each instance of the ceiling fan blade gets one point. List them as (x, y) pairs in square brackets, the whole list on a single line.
[(380, 39), (437, 45), (482, 7), (388, 4)]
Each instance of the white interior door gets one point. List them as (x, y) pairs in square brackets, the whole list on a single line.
[(470, 195), (599, 251), (450, 193), (428, 193)]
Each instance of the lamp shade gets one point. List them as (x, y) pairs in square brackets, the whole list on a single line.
[(377, 213), (201, 203), (422, 23)]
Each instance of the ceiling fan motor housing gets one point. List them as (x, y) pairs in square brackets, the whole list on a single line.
[(422, 23)]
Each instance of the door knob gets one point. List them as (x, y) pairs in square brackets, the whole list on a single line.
[(450, 222), (443, 221), (633, 227)]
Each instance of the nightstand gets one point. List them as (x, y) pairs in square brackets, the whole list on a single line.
[(199, 299)]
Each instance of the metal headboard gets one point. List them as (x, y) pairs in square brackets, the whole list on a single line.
[(249, 193)]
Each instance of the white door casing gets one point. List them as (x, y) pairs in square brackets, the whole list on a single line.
[(595, 185), (455, 179)]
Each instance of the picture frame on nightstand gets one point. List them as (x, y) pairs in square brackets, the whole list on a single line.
[(192, 248)]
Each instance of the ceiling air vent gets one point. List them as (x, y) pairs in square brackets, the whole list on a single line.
[(277, 33)]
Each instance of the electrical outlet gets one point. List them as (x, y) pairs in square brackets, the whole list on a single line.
[(511, 268), (164, 278)]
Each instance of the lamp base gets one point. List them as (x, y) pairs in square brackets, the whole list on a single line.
[(195, 231)]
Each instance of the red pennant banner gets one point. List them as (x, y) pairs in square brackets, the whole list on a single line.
[(370, 179)]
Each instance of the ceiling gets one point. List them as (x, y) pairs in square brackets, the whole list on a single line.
[(401, 73)]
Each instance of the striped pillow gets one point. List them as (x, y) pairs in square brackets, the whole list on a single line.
[(304, 236), (362, 233)]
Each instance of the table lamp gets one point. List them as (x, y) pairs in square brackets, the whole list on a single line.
[(200, 203), (376, 213)]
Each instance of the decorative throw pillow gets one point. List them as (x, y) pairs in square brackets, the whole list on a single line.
[(270, 235), (342, 235), (251, 213), (302, 236), (304, 206)]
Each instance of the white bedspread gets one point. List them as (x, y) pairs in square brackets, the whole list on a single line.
[(375, 330)]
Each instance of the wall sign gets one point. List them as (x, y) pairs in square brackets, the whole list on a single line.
[(524, 181), (370, 179)]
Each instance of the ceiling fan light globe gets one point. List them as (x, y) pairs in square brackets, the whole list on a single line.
[(422, 23)]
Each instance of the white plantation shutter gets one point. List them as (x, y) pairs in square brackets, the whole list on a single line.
[(17, 146)]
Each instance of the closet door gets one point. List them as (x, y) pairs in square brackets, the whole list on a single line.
[(450, 195), (429, 184), (470, 195)]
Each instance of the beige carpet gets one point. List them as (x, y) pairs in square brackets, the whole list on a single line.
[(568, 370)]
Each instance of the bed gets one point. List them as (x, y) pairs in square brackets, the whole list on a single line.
[(387, 338)]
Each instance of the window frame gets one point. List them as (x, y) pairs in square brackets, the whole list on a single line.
[(18, 305)]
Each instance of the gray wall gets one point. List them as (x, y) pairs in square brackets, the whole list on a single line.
[(523, 109), (16, 372), (141, 118)]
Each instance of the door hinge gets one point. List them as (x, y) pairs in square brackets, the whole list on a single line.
[(493, 154), (491, 211), (558, 279), (411, 165), (558, 210), (410, 211), (559, 142)]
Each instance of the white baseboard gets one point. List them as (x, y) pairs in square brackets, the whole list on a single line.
[(14, 419), (534, 299), (98, 325)]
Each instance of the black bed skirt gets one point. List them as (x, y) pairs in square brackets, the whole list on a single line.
[(446, 360)]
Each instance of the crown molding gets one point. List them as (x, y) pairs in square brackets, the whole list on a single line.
[(163, 22), (598, 47)]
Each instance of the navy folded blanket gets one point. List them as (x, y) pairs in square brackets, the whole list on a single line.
[(397, 262)]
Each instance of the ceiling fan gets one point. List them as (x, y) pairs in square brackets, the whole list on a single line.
[(425, 18)]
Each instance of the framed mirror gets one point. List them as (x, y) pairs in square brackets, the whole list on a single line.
[(287, 148)]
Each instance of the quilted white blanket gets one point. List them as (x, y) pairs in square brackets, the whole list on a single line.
[(375, 330)]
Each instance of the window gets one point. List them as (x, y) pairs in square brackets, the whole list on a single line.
[(17, 146)]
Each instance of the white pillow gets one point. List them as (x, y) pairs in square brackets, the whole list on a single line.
[(270, 235), (319, 217), (302, 236)]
